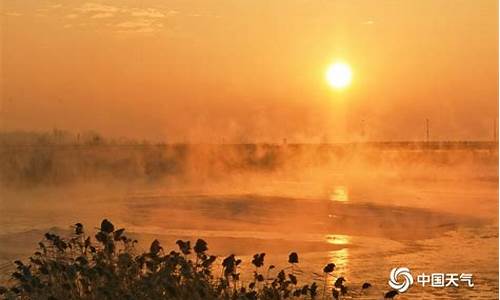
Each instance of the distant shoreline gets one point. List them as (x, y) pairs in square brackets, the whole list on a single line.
[(381, 145)]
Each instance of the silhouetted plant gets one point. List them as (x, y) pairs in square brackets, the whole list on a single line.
[(77, 267), (293, 258)]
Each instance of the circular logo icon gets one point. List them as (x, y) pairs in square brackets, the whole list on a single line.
[(400, 273)]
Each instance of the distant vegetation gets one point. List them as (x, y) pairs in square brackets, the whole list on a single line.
[(109, 267), (60, 157)]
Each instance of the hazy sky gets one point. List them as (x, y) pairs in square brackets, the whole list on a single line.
[(248, 70)]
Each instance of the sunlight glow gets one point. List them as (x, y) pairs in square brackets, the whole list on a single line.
[(340, 194), (338, 239), (341, 259), (339, 75)]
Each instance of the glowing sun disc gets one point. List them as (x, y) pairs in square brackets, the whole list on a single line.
[(339, 75)]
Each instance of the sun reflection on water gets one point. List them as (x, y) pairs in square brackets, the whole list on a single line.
[(338, 239), (339, 257), (341, 260), (340, 193)]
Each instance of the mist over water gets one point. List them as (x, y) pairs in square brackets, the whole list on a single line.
[(366, 208), (230, 121)]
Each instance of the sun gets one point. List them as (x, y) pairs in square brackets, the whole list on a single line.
[(339, 75)]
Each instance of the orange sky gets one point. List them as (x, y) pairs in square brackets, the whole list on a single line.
[(248, 70)]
